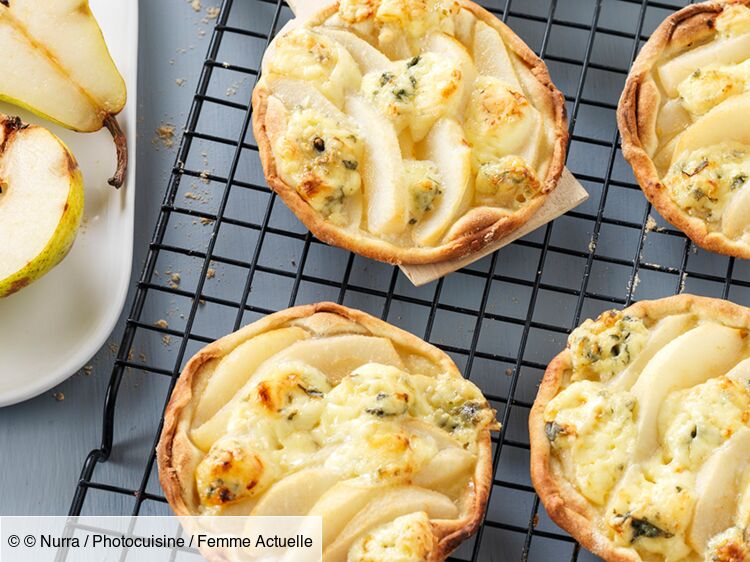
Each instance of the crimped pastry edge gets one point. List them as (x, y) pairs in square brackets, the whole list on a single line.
[(564, 504), (676, 31), (176, 453), (483, 225)]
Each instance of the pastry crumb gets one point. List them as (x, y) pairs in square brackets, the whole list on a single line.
[(180, 81), (59, 396), (166, 340), (212, 12), (165, 134), (87, 370), (193, 196), (210, 273), (509, 371), (163, 324), (174, 280), (204, 176), (196, 5), (204, 221), (650, 224)]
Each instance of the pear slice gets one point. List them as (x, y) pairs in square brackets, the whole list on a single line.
[(296, 494), (705, 352), (60, 68), (736, 218), (335, 356), (383, 170), (740, 373), (446, 146), (445, 469), (464, 22), (365, 55), (717, 488), (340, 504), (41, 203), (664, 332), (720, 124), (672, 119), (386, 507), (715, 53), (492, 57), (449, 48), (236, 368), (294, 93)]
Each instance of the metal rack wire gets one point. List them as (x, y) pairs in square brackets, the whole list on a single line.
[(501, 318)]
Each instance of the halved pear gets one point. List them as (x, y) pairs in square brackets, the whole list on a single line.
[(58, 66), (664, 332), (492, 57), (705, 352), (365, 55), (735, 220), (717, 488), (41, 203), (446, 146), (236, 368), (718, 125), (336, 356), (297, 493), (446, 46), (715, 53), (382, 170), (386, 507)]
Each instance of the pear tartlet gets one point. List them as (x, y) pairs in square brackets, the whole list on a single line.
[(410, 131), (684, 117), (324, 410), (640, 433)]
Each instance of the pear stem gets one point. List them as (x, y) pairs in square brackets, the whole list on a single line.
[(121, 145)]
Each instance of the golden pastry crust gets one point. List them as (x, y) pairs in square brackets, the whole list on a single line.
[(479, 226), (638, 111), (565, 505), (178, 456)]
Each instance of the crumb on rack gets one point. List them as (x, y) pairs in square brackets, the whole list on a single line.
[(165, 134), (204, 176), (174, 280), (88, 370), (59, 396), (509, 371), (161, 323), (166, 340), (179, 81), (650, 224), (592, 245), (212, 12), (114, 348), (196, 5), (210, 273), (205, 221), (193, 196)]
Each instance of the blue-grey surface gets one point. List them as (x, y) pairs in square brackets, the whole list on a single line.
[(43, 442)]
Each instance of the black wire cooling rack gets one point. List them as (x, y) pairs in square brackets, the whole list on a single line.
[(501, 318)]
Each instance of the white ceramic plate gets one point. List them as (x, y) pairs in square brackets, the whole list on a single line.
[(52, 328)]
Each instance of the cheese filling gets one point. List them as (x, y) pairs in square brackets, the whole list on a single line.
[(668, 504)]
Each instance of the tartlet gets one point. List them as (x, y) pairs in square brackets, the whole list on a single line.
[(684, 117), (640, 433), (324, 410), (410, 131)]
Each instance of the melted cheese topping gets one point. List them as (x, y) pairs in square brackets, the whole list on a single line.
[(373, 427), (701, 182), (412, 62), (320, 158), (706, 88), (415, 93), (407, 538), (305, 54), (656, 504), (499, 120)]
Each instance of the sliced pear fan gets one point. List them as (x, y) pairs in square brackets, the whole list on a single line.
[(336, 356), (76, 83), (448, 47), (383, 169), (718, 125), (233, 371), (492, 57), (365, 55), (718, 489), (340, 504), (296, 494), (704, 352), (716, 53), (386, 507), (446, 146)]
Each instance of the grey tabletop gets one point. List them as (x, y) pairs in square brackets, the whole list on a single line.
[(44, 441)]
